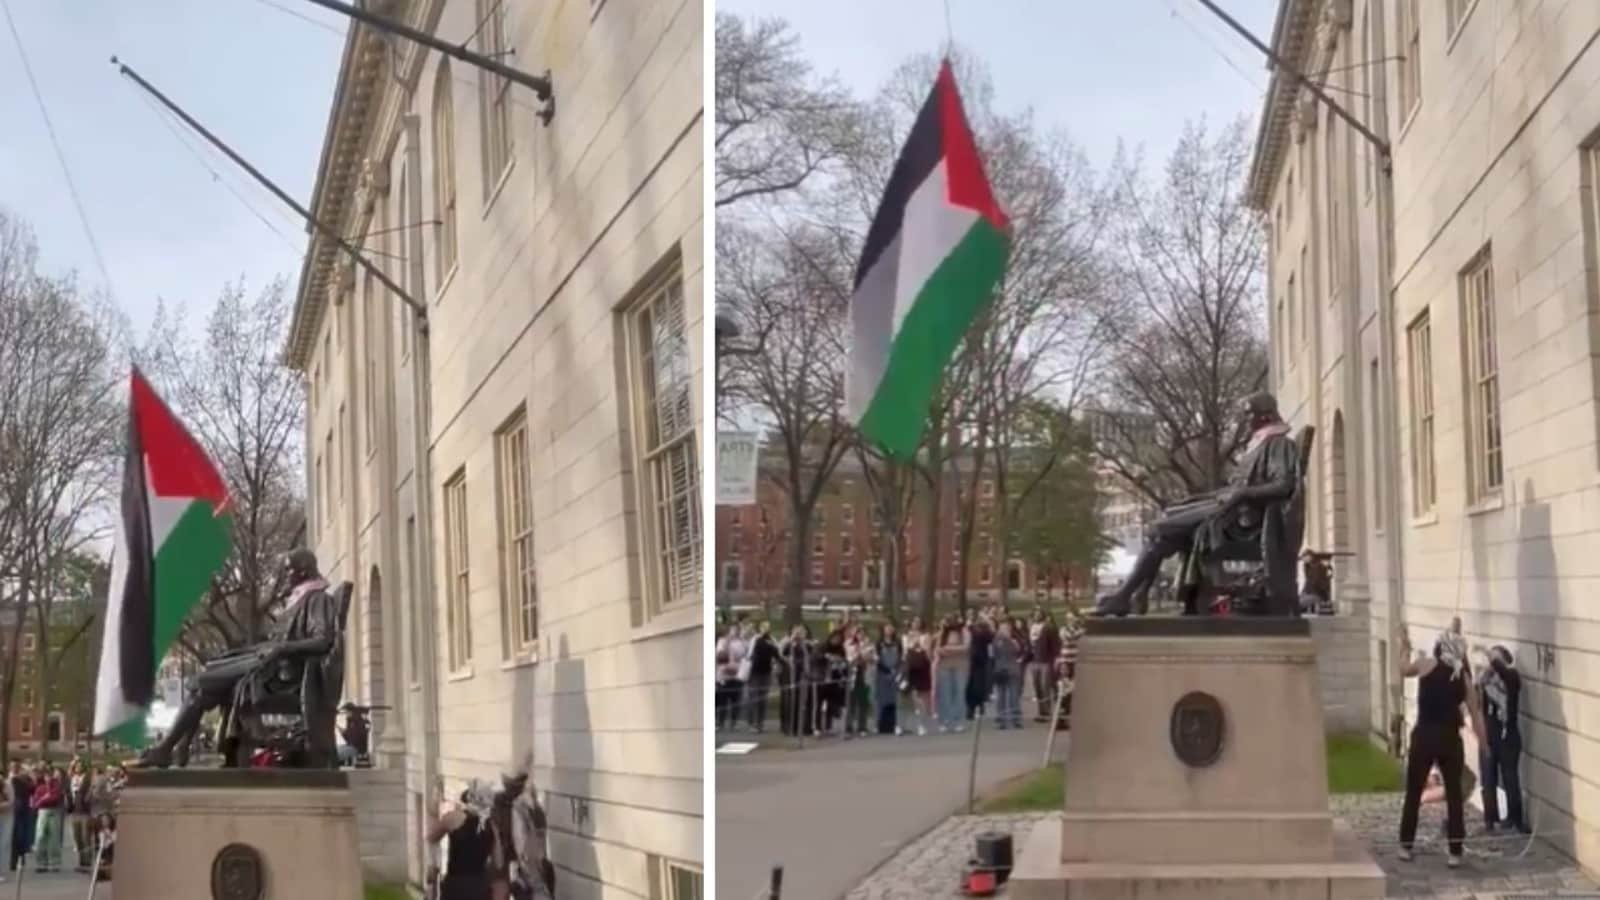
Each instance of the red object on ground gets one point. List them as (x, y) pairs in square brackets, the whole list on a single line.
[(980, 883)]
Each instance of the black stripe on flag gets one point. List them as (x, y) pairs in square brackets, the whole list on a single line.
[(922, 153), (136, 636)]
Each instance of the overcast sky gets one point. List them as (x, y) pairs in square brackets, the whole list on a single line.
[(258, 76), (1100, 69)]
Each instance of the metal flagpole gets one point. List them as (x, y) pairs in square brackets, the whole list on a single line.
[(241, 162), (541, 85)]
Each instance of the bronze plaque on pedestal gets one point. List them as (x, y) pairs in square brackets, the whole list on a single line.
[(1198, 726), (238, 873)]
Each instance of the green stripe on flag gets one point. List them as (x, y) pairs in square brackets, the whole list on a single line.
[(943, 311), (195, 548)]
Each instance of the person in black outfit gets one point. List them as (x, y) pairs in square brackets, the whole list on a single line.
[(470, 858), (980, 668), (1444, 686), (1501, 686), (834, 690), (795, 705), (22, 815), (763, 653)]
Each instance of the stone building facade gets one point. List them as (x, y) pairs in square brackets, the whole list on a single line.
[(1437, 316), (510, 475)]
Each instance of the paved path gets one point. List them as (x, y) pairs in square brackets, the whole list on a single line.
[(832, 812), (60, 886), (1496, 867)]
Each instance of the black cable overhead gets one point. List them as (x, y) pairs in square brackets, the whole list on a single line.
[(55, 143)]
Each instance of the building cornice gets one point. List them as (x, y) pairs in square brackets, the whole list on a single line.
[(341, 171), (1293, 37)]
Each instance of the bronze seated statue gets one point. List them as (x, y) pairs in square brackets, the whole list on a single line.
[(297, 673), (1256, 523)]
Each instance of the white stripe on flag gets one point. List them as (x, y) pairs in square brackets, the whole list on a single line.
[(110, 710), (872, 332), (933, 227)]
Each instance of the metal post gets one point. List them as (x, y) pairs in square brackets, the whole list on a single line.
[(972, 770), (241, 162), (776, 888), (1381, 145), (539, 84)]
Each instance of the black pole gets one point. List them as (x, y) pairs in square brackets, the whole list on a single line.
[(355, 254), (1278, 63), (777, 883), (541, 85)]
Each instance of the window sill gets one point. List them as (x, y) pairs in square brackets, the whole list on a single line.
[(1431, 517), (521, 661), (444, 283), (1489, 504), (679, 618), (462, 675), (499, 184)]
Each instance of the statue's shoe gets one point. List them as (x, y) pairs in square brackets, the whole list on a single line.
[(1111, 605)]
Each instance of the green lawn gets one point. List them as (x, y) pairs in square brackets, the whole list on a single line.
[(385, 892), (1355, 766)]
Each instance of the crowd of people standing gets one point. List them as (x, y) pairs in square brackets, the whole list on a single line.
[(858, 680), (47, 803)]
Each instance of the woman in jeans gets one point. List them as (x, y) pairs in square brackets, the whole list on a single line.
[(860, 656), (49, 801), (1007, 655), (1444, 686), (950, 676), (886, 682)]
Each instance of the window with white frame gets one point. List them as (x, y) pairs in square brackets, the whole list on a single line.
[(677, 881), (845, 574), (847, 544), (494, 101), (818, 572), (444, 175), (847, 514), (1486, 465), (819, 544), (1409, 27), (1374, 398), (1289, 331), (458, 609), (1419, 371), (665, 438), (519, 583), (732, 576), (413, 607)]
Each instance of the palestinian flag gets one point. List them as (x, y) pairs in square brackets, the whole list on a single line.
[(932, 258), (172, 537)]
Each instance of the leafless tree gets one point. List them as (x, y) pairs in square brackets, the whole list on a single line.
[(1192, 347), (246, 409), (777, 122), (786, 284), (59, 439)]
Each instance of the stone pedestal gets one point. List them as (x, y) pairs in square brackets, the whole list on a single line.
[(1196, 770), (180, 831)]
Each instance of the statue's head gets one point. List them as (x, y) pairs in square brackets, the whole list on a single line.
[(299, 566), (1260, 409)]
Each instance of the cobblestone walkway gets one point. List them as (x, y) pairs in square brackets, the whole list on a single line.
[(1496, 868)]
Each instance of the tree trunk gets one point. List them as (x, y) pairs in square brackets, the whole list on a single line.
[(799, 564), (930, 536)]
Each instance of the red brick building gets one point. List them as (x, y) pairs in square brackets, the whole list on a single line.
[(846, 559)]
